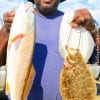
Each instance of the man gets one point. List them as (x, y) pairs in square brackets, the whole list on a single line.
[(46, 58)]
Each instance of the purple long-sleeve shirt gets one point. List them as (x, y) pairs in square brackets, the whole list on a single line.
[(47, 59)]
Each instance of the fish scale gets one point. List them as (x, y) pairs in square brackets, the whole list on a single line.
[(20, 71)]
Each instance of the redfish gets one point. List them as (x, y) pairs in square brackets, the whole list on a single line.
[(20, 71)]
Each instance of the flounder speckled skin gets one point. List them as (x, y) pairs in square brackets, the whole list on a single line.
[(76, 79)]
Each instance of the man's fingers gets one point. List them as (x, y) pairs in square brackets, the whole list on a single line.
[(8, 20), (81, 17), (74, 25), (77, 22), (8, 24), (9, 16)]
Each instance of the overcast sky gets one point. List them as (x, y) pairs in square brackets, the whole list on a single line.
[(92, 5)]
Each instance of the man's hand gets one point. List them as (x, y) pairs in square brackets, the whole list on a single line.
[(84, 18), (8, 19)]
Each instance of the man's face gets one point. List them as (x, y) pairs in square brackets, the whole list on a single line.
[(47, 6)]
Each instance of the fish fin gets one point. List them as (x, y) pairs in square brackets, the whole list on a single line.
[(29, 83), (7, 90)]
